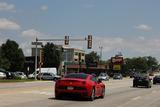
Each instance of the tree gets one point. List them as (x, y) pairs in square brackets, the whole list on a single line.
[(4, 63), (52, 55), (92, 57), (11, 53), (140, 64), (151, 62)]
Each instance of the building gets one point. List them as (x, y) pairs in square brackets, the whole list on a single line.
[(74, 61), (73, 55)]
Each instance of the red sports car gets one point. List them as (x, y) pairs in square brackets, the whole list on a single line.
[(82, 84)]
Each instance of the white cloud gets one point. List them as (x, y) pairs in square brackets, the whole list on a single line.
[(143, 27), (6, 24), (31, 33), (134, 46), (26, 48), (7, 7), (44, 8)]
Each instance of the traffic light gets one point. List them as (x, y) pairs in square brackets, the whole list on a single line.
[(66, 40), (41, 56), (89, 45)]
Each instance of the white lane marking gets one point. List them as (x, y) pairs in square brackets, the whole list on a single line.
[(136, 98), (38, 92)]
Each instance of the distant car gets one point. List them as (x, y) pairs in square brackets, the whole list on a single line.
[(20, 75), (2, 75), (32, 76), (9, 75), (156, 79), (48, 76), (142, 80), (117, 76), (84, 85), (103, 76)]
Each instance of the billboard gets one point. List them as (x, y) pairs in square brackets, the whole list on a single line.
[(118, 60), (117, 63), (116, 67)]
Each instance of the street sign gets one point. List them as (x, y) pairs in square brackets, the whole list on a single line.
[(38, 43)]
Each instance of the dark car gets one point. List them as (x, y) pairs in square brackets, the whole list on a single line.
[(156, 79), (117, 76), (142, 80)]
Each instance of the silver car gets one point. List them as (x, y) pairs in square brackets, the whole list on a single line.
[(47, 76), (2, 75), (20, 75), (103, 76)]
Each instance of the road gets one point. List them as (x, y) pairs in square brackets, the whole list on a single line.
[(119, 93)]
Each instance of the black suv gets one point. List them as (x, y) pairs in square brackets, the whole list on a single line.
[(142, 80), (156, 79)]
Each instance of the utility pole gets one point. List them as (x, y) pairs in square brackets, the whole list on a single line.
[(36, 43), (101, 48)]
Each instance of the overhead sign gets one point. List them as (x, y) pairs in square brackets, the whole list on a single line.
[(38, 43), (117, 59)]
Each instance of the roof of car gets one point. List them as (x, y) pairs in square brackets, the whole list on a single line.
[(77, 75)]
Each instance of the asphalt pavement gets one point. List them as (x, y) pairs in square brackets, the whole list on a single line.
[(119, 93)]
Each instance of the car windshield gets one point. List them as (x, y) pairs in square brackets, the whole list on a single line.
[(142, 75), (47, 74), (117, 74), (103, 74), (158, 76), (79, 76)]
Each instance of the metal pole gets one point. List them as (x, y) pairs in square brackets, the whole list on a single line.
[(36, 60), (101, 47), (66, 55)]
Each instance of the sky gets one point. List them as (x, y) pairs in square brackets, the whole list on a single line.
[(127, 26)]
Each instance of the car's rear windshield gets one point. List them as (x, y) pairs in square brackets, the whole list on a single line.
[(79, 76)]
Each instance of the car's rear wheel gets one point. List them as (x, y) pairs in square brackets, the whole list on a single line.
[(154, 82), (92, 95), (57, 96), (134, 85)]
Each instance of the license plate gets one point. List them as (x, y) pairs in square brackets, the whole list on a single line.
[(70, 88)]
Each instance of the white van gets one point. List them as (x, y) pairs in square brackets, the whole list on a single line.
[(44, 70)]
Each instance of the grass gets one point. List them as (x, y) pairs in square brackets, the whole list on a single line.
[(15, 80)]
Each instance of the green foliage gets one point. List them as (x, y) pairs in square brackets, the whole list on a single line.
[(92, 57), (52, 55), (4, 63), (139, 64), (13, 57)]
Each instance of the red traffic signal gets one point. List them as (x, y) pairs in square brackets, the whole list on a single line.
[(89, 45), (66, 40)]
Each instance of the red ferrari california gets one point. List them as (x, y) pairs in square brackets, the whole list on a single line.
[(82, 84)]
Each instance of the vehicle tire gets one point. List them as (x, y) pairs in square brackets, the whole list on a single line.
[(57, 96), (103, 93), (92, 95), (149, 85), (134, 85), (154, 82)]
